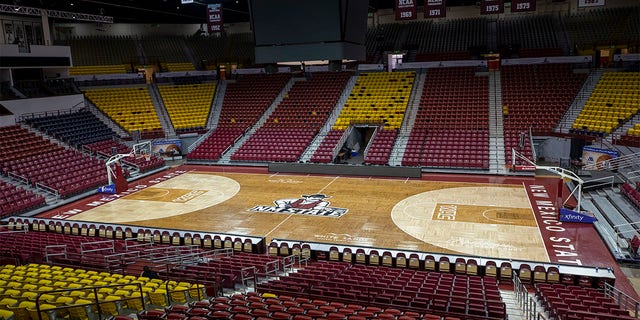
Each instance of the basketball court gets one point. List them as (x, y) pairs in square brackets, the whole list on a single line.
[(504, 218)]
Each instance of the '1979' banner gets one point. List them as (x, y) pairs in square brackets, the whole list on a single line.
[(406, 10)]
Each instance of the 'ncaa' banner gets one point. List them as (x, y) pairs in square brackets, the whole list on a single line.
[(214, 18), (491, 6), (523, 5), (590, 3), (406, 10), (435, 9)]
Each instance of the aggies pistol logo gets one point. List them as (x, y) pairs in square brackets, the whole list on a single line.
[(310, 204)]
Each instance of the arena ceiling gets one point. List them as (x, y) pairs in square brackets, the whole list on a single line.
[(172, 11)]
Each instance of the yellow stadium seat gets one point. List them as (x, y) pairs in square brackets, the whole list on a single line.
[(21, 312), (179, 294), (7, 315), (45, 311), (81, 309), (111, 305), (8, 302), (158, 297)]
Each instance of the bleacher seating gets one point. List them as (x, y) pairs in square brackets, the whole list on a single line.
[(129, 107), (443, 56), (100, 69), (42, 162), (379, 98), (215, 144), (296, 120), (188, 105), (14, 199), (105, 148), (531, 32), (324, 153), (589, 28), (74, 128), (275, 144), (446, 40), (102, 51), (239, 112), (631, 138), (62, 86), (32, 88), (380, 147), (452, 123), (457, 35), (520, 140), (252, 305), (614, 100), (228, 268), (164, 49), (70, 292), (381, 38), (180, 66), (186, 79), (575, 302), (393, 288), (231, 47), (537, 96), (632, 193), (540, 52)]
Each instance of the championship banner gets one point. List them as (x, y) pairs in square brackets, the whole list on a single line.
[(491, 6), (590, 3), (523, 5), (406, 10), (214, 18), (599, 158), (435, 9)]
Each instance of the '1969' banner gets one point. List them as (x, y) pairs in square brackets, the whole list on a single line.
[(406, 10)]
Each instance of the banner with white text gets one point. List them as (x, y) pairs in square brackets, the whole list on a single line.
[(590, 3), (214, 18), (491, 6), (435, 9), (406, 10), (523, 5)]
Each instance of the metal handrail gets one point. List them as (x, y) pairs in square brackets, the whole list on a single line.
[(96, 300), (607, 182), (623, 300)]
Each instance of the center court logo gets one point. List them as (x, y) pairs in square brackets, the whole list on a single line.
[(311, 204)]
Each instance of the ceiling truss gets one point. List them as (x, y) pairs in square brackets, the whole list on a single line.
[(30, 11)]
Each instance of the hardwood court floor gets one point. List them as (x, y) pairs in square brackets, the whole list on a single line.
[(490, 220)]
